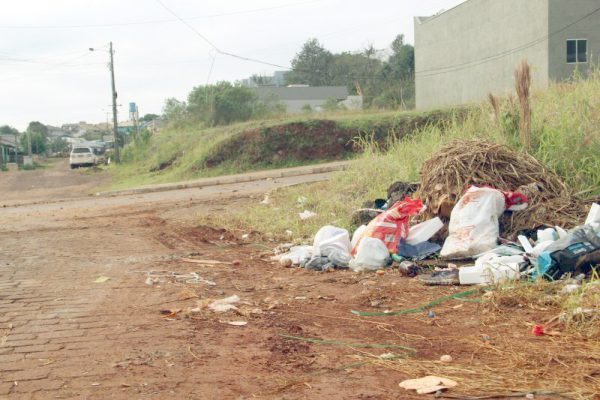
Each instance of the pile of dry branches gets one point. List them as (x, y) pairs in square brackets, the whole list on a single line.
[(460, 164)]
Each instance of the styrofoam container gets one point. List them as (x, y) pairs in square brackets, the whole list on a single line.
[(424, 231), (594, 215)]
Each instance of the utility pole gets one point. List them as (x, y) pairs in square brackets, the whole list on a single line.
[(114, 104)]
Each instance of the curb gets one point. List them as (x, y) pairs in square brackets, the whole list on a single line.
[(227, 180)]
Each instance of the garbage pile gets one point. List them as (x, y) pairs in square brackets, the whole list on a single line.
[(497, 212)]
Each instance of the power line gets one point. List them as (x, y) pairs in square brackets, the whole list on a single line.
[(160, 21), (468, 64)]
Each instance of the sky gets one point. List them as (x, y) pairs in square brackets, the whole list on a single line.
[(163, 48)]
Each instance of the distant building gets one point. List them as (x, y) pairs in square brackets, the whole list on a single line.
[(296, 98), (466, 52), (8, 148), (277, 79)]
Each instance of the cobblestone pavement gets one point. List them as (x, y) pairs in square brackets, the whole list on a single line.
[(65, 335)]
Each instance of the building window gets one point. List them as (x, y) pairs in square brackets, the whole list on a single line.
[(577, 51)]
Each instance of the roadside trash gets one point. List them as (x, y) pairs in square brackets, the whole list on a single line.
[(102, 279), (446, 277), (570, 288), (408, 268), (474, 226), (245, 236), (539, 330), (424, 231), (428, 384), (417, 252), (371, 254), (296, 255), (235, 323), (151, 281), (594, 215), (224, 305), (169, 313), (306, 214), (329, 238), (576, 252), (431, 314), (446, 358), (392, 225), (547, 235), (266, 200), (387, 356), (491, 269), (357, 235)]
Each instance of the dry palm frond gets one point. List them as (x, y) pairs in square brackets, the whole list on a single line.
[(460, 164)]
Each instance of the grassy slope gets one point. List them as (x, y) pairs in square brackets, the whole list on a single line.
[(566, 136), (181, 153)]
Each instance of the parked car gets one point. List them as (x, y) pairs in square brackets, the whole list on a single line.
[(82, 156)]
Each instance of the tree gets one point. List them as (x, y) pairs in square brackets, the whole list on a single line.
[(38, 133), (311, 66), (59, 145), (149, 117), (233, 103), (8, 130), (174, 109)]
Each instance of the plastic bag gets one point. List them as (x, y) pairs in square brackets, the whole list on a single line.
[(329, 238), (297, 254), (392, 225), (473, 225), (357, 235), (371, 254)]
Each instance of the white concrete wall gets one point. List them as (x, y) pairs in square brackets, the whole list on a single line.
[(468, 51)]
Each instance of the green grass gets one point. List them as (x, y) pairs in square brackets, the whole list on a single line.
[(565, 133), (193, 151)]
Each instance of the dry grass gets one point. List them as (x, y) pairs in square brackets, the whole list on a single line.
[(523, 86)]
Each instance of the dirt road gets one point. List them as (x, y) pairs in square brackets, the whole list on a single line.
[(80, 317)]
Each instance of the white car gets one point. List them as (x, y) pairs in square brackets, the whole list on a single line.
[(83, 156)]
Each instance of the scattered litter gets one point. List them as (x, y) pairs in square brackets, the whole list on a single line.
[(371, 254), (266, 201), (151, 281), (431, 314), (446, 358), (235, 323), (387, 356), (424, 231), (207, 262), (224, 305), (245, 236), (393, 224), (102, 279), (456, 296), (428, 384), (169, 313), (306, 214)]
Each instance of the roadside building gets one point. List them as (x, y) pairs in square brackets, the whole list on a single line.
[(464, 53), (298, 98)]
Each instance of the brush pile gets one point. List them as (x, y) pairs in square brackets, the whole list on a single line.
[(460, 164)]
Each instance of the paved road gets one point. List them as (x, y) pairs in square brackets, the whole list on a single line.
[(64, 335)]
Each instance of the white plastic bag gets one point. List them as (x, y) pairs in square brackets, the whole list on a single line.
[(474, 223), (329, 238), (371, 254), (358, 234), (297, 254), (594, 215), (491, 269)]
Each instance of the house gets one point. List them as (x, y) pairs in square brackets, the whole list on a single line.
[(297, 98), (8, 148), (464, 53)]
